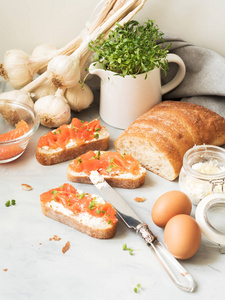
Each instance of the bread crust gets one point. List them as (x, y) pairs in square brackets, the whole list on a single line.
[(46, 157), (168, 130), (100, 233), (126, 183)]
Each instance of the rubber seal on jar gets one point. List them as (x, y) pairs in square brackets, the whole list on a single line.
[(201, 215)]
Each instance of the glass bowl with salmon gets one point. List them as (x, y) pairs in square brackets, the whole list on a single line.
[(18, 122)]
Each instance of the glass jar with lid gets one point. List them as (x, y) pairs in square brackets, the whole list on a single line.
[(203, 172), (202, 178)]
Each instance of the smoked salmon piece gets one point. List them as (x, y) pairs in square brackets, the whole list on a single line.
[(11, 150)]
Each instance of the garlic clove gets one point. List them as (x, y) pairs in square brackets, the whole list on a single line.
[(64, 71), (44, 50), (79, 97), (53, 110), (44, 89), (19, 96)]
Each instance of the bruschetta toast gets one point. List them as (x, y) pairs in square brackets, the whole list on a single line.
[(70, 141), (118, 170), (88, 213)]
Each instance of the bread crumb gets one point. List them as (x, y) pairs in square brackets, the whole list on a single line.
[(5, 270), (55, 238), (66, 247), (26, 187), (139, 199)]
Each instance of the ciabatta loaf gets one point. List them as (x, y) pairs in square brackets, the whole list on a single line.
[(118, 170), (159, 138), (70, 141), (87, 213)]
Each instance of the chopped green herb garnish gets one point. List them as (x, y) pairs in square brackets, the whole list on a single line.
[(92, 204), (111, 160), (96, 136), (103, 211), (109, 169), (109, 222), (79, 160), (98, 154), (137, 288), (59, 131), (54, 132), (93, 157), (54, 192), (98, 211), (82, 121), (81, 195), (7, 203), (124, 246), (97, 129)]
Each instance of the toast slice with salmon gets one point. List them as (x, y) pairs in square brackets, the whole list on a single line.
[(118, 170), (84, 212), (69, 141)]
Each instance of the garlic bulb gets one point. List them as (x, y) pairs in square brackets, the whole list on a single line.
[(79, 97), (44, 50), (53, 110), (19, 67), (43, 90), (63, 71), (19, 96)]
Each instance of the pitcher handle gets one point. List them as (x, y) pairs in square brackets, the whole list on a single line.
[(178, 77)]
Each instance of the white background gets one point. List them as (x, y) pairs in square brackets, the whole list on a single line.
[(27, 23)]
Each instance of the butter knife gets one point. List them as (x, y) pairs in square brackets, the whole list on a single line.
[(174, 269)]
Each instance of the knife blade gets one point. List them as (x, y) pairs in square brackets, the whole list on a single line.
[(174, 269)]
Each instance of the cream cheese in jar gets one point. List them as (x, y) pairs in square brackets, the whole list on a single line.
[(203, 172)]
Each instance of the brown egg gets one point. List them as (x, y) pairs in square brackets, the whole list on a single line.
[(182, 236), (169, 205)]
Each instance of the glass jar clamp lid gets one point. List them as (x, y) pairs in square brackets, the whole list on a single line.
[(202, 178)]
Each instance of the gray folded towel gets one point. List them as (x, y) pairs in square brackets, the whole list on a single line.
[(204, 82)]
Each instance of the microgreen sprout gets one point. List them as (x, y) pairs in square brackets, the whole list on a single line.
[(137, 288), (128, 249), (131, 49), (9, 203)]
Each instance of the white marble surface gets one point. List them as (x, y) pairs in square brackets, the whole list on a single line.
[(91, 268)]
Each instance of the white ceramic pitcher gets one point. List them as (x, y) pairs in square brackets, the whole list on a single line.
[(124, 99)]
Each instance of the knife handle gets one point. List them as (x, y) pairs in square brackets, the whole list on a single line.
[(174, 269)]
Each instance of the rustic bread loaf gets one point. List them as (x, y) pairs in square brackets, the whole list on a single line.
[(159, 138)]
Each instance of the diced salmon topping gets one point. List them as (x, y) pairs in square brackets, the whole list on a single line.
[(106, 163), (76, 131), (77, 202)]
